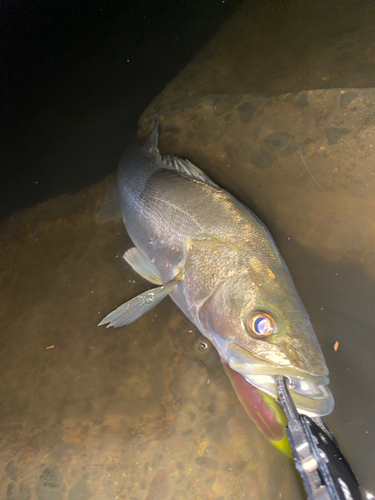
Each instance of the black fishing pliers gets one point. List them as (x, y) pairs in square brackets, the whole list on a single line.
[(325, 472)]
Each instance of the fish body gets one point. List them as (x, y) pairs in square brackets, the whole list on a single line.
[(220, 265)]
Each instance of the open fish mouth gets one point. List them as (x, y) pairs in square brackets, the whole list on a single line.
[(310, 398), (309, 392)]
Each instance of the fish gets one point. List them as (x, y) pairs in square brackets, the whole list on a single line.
[(220, 265)]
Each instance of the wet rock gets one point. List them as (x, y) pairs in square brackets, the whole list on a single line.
[(11, 492), (50, 485), (302, 100), (276, 141), (347, 98), (335, 135), (261, 158), (207, 462), (11, 470)]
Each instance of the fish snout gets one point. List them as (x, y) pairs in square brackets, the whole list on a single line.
[(308, 390)]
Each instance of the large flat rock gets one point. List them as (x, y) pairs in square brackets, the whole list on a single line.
[(304, 162)]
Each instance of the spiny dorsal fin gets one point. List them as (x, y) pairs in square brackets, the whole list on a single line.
[(151, 145), (188, 168)]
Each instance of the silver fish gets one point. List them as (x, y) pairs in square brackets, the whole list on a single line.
[(220, 265)]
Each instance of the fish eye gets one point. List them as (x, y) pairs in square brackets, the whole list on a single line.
[(261, 324)]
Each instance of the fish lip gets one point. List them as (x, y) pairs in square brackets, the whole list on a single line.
[(321, 380), (308, 391), (310, 399), (249, 366)]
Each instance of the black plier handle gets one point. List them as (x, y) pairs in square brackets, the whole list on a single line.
[(325, 472)]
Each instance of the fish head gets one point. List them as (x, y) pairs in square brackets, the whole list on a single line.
[(260, 327)]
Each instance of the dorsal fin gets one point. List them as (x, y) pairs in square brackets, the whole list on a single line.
[(188, 168), (151, 145)]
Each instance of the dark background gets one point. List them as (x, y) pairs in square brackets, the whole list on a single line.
[(76, 76)]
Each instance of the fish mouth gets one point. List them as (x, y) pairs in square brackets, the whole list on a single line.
[(308, 391)]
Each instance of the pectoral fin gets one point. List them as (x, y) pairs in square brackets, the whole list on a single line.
[(142, 265), (136, 307)]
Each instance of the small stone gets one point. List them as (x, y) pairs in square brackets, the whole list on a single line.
[(276, 141), (247, 110), (192, 416), (261, 158), (335, 135), (212, 408), (25, 492), (347, 98), (51, 485), (11, 470), (302, 100), (207, 462), (11, 492)]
